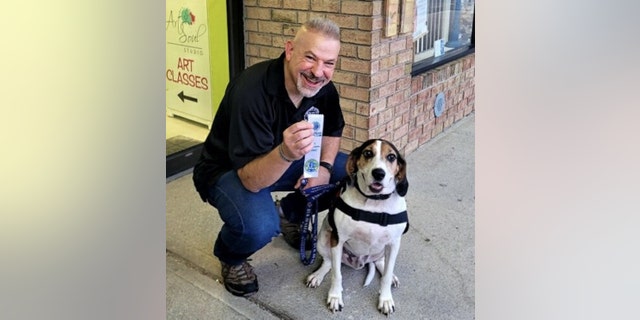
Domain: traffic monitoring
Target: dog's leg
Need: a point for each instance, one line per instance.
(380, 267)
(315, 279)
(370, 274)
(385, 301)
(334, 298)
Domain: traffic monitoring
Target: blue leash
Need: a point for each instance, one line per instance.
(311, 215)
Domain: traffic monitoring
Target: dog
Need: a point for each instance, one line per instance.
(366, 222)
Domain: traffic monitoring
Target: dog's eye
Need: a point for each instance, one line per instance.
(367, 154)
(391, 157)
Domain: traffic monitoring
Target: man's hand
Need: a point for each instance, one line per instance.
(297, 140)
(324, 176)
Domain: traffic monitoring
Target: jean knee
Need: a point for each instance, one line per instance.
(261, 232)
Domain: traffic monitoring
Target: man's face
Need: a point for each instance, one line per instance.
(312, 59)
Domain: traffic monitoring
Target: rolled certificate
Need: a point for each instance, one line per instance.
(312, 159)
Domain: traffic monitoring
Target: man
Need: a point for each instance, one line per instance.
(257, 145)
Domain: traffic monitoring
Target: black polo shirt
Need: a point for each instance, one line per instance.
(252, 115)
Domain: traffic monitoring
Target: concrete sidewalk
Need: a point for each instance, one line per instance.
(435, 265)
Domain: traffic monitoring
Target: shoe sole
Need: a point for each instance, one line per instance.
(238, 293)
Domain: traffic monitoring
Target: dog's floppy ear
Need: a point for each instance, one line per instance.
(402, 187)
(352, 165)
(402, 183)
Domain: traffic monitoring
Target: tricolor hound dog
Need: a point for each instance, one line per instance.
(366, 223)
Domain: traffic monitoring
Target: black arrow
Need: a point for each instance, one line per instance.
(184, 96)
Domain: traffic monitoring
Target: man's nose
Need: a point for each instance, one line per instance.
(318, 69)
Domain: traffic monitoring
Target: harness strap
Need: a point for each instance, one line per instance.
(380, 218)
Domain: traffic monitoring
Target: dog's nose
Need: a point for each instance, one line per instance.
(378, 174)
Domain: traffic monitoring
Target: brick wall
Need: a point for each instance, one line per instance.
(379, 98)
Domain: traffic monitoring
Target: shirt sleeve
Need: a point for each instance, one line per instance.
(250, 133)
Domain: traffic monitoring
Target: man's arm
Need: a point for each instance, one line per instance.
(265, 170)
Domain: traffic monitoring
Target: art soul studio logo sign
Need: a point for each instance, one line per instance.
(189, 36)
(187, 60)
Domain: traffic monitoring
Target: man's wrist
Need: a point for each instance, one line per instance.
(327, 166)
(282, 155)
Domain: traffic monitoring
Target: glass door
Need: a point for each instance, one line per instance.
(197, 72)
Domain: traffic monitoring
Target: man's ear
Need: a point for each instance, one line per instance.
(288, 49)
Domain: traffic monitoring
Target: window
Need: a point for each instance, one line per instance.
(444, 31)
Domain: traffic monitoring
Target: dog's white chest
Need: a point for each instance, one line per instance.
(367, 238)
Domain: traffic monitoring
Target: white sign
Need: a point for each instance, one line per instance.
(438, 47)
(188, 75)
(421, 19)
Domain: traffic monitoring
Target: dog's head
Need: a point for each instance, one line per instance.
(378, 168)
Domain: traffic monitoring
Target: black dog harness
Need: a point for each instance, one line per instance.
(311, 216)
(381, 218)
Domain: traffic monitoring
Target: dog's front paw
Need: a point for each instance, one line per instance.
(395, 282)
(386, 305)
(334, 302)
(314, 280)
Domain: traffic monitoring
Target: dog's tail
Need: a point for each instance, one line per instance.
(370, 274)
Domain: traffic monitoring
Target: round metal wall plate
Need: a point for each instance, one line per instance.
(438, 107)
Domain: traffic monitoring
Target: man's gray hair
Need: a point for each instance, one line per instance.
(324, 26)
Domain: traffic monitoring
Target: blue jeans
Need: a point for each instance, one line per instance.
(251, 219)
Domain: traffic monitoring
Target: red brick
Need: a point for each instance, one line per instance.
(365, 23)
(405, 56)
(270, 52)
(361, 121)
(348, 131)
(377, 106)
(344, 21)
(270, 27)
(270, 3)
(325, 5)
(397, 45)
(258, 13)
(296, 4)
(348, 105)
(284, 16)
(376, 8)
(387, 62)
(251, 25)
(360, 94)
(355, 65)
(259, 38)
(386, 90)
(362, 134)
(355, 36)
(363, 80)
(343, 77)
(349, 50)
(364, 53)
(373, 121)
(400, 132)
(379, 78)
(396, 72)
(363, 8)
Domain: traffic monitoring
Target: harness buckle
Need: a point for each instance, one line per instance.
(384, 219)
(357, 215)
